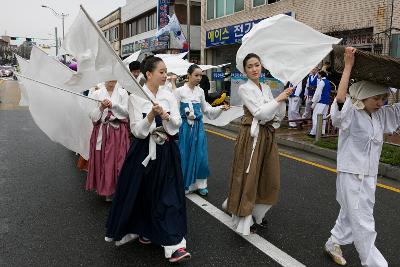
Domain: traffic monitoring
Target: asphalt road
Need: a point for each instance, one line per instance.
(48, 219)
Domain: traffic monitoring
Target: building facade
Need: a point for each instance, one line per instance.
(363, 24)
(142, 18)
(112, 29)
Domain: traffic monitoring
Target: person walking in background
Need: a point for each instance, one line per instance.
(320, 102)
(294, 105)
(311, 86)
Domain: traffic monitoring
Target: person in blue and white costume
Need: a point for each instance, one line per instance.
(311, 86)
(294, 105)
(321, 101)
(362, 120)
(149, 201)
(192, 137)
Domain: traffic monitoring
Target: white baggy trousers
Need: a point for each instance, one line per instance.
(355, 223)
(294, 110)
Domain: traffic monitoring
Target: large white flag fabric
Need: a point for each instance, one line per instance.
(179, 66)
(62, 116)
(288, 48)
(132, 58)
(23, 67)
(226, 116)
(97, 61)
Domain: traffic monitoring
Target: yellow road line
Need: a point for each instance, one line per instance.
(394, 189)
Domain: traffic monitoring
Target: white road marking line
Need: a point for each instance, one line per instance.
(266, 247)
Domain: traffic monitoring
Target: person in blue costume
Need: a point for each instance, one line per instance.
(149, 201)
(192, 137)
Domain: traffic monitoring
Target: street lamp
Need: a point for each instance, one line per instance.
(62, 16)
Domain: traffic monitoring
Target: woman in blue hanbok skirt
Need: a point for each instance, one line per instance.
(192, 137)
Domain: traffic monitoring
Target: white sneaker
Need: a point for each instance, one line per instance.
(225, 205)
(335, 252)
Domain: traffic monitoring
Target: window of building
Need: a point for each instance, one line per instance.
(258, 3)
(141, 24)
(196, 15)
(263, 2)
(210, 9)
(239, 5)
(220, 8)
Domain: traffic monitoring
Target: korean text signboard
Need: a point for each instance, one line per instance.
(232, 34)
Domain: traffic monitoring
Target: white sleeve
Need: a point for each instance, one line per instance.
(140, 127)
(120, 110)
(264, 112)
(172, 126)
(211, 112)
(342, 118)
(390, 117)
(318, 92)
(95, 114)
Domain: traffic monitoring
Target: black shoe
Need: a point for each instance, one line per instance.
(311, 135)
(264, 224)
(180, 255)
(253, 228)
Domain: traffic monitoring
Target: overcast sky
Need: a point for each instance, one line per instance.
(26, 18)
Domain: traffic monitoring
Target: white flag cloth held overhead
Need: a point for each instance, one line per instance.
(97, 61)
(288, 48)
(62, 116)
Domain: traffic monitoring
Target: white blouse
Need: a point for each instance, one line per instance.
(141, 128)
(361, 136)
(190, 96)
(119, 100)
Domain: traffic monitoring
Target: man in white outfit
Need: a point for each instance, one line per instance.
(294, 106)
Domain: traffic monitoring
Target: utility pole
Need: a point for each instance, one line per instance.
(188, 27)
(55, 32)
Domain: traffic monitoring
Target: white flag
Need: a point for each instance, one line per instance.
(97, 62)
(288, 48)
(226, 116)
(175, 27)
(60, 115)
(132, 58)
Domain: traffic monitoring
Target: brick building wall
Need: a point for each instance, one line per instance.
(322, 15)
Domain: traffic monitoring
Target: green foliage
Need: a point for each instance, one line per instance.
(390, 153)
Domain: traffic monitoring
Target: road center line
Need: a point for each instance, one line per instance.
(262, 244)
(387, 187)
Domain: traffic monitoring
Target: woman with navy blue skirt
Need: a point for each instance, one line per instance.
(149, 202)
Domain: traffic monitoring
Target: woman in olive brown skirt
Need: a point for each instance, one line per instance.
(255, 179)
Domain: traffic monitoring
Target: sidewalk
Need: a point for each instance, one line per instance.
(297, 139)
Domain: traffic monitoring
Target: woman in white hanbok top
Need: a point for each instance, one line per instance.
(192, 136)
(362, 120)
(255, 178)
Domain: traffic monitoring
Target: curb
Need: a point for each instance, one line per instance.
(385, 170)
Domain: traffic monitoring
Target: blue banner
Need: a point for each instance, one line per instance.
(217, 75)
(162, 18)
(232, 34)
